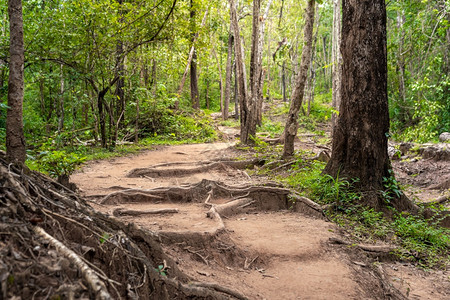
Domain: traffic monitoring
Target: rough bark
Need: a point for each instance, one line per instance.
(15, 140)
(360, 138)
(336, 57)
(291, 126)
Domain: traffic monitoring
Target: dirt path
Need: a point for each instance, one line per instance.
(268, 253)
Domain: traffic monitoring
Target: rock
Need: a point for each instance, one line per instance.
(444, 137)
(436, 153)
(393, 153)
(405, 147)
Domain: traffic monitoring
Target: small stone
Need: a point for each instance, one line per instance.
(444, 137)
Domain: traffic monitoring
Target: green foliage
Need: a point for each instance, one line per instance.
(57, 162)
(418, 240)
(391, 188)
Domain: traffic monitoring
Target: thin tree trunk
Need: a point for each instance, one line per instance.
(15, 140)
(259, 71)
(236, 92)
(219, 68)
(61, 101)
(283, 81)
(336, 68)
(248, 124)
(228, 76)
(291, 127)
(312, 77)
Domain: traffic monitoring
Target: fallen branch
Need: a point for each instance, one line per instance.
(89, 275)
(128, 212)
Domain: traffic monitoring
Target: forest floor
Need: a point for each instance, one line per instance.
(264, 250)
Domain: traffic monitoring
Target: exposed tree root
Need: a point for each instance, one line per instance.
(120, 259)
(156, 171)
(129, 196)
(220, 288)
(128, 212)
(382, 249)
(390, 292)
(234, 207)
(96, 285)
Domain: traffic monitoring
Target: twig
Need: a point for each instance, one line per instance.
(247, 266)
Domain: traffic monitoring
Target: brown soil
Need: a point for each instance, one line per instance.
(262, 250)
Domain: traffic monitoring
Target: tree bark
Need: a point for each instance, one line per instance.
(291, 127)
(255, 61)
(228, 76)
(336, 68)
(193, 72)
(360, 138)
(260, 72)
(248, 124)
(15, 140)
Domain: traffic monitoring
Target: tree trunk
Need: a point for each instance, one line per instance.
(255, 61)
(228, 76)
(248, 124)
(61, 101)
(291, 127)
(360, 138)
(283, 81)
(336, 67)
(259, 71)
(236, 92)
(312, 75)
(193, 72)
(15, 140)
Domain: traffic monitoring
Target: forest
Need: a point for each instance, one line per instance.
(111, 71)
(124, 123)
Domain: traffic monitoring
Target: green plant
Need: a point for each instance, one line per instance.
(59, 163)
(391, 188)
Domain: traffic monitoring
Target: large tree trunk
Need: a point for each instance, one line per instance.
(360, 138)
(228, 76)
(248, 124)
(336, 58)
(291, 127)
(15, 140)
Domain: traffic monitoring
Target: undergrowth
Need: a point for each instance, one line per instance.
(418, 240)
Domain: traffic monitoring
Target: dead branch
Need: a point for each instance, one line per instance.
(89, 275)
(128, 212)
(248, 264)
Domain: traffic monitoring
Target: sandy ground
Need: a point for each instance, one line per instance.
(287, 254)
